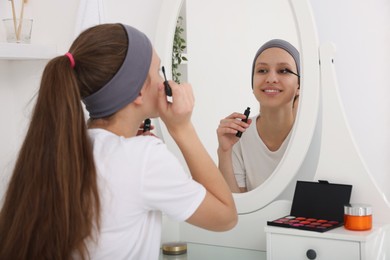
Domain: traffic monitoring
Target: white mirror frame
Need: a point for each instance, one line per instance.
(306, 121)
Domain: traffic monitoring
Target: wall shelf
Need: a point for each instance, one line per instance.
(20, 51)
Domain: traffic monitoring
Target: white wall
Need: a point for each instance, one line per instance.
(138, 13)
(360, 31)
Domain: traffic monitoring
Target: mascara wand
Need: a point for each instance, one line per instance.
(168, 90)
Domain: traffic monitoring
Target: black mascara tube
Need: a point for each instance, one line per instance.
(147, 123)
(246, 113)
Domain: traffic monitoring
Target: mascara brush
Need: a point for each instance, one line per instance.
(168, 90)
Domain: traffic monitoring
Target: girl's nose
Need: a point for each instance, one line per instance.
(272, 77)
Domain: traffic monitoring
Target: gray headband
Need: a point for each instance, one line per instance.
(277, 43)
(126, 84)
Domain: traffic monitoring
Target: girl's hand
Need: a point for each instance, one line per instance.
(141, 130)
(177, 113)
(228, 128)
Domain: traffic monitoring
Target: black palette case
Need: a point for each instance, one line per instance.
(317, 206)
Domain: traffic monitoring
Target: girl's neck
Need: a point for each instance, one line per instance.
(119, 126)
(273, 128)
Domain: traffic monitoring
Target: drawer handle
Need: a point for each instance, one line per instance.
(311, 254)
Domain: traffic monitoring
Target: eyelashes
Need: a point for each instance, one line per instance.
(281, 71)
(291, 72)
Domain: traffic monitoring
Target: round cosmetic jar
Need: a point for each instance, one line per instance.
(175, 248)
(358, 217)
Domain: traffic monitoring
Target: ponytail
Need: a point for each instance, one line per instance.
(52, 204)
(52, 207)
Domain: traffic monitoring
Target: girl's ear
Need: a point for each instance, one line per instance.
(297, 93)
(139, 100)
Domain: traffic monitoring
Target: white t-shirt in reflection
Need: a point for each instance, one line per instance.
(253, 162)
(138, 180)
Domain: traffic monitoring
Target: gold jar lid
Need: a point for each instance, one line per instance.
(174, 248)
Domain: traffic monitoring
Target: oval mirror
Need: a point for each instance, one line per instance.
(222, 38)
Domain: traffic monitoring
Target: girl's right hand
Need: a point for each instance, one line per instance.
(228, 128)
(177, 113)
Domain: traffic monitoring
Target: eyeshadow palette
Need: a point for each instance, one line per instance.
(317, 206)
(313, 224)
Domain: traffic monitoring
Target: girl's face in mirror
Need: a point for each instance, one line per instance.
(274, 86)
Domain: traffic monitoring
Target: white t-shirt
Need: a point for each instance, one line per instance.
(253, 162)
(138, 179)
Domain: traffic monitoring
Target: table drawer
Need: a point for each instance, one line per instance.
(282, 247)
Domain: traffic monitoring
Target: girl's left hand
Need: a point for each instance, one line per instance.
(141, 130)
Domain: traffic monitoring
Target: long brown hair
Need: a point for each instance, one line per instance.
(52, 207)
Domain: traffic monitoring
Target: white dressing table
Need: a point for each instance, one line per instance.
(338, 243)
(209, 252)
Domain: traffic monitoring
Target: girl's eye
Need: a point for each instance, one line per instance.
(284, 71)
(262, 71)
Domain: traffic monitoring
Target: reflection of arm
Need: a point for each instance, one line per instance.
(239, 167)
(226, 132)
(226, 167)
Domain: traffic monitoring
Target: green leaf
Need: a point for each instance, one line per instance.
(179, 45)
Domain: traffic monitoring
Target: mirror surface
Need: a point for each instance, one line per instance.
(222, 40)
(221, 46)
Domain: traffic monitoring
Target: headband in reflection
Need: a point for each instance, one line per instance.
(282, 44)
